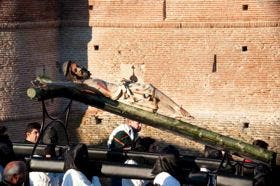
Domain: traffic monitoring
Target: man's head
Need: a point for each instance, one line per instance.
(136, 125)
(73, 72)
(14, 172)
(32, 132)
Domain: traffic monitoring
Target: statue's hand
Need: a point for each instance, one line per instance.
(35, 83)
(124, 81)
(41, 81)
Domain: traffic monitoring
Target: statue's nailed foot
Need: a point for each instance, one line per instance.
(185, 113)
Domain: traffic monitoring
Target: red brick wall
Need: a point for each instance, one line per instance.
(180, 62)
(222, 11)
(175, 43)
(127, 10)
(29, 46)
(29, 10)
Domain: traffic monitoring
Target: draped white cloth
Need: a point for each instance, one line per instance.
(73, 177)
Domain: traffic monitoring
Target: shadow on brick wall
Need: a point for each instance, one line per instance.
(74, 36)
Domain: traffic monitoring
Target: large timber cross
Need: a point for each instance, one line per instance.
(74, 91)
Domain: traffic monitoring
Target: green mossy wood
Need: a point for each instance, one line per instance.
(77, 92)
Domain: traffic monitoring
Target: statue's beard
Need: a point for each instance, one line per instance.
(81, 74)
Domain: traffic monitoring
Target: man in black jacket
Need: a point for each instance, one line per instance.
(6, 147)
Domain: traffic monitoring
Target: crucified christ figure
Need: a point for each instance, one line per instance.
(144, 96)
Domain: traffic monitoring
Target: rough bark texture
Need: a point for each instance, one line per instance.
(78, 93)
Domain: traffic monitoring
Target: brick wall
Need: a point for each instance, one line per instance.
(29, 10)
(222, 11)
(219, 59)
(180, 62)
(220, 65)
(127, 10)
(29, 35)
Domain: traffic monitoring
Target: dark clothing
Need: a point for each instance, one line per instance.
(262, 175)
(6, 150)
(144, 144)
(212, 153)
(50, 136)
(77, 158)
(121, 141)
(5, 183)
(122, 138)
(28, 142)
(169, 163)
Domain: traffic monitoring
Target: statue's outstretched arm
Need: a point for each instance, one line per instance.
(97, 86)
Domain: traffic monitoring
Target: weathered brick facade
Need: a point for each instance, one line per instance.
(219, 59)
(29, 47)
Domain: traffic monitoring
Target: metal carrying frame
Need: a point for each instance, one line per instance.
(53, 119)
